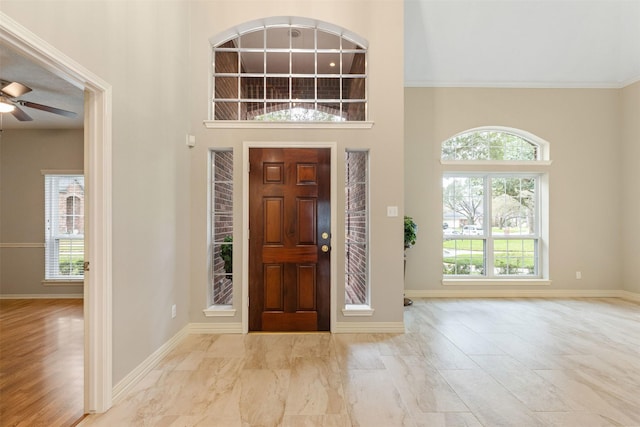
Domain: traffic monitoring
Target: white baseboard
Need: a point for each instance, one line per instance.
(215, 328)
(41, 296)
(368, 327)
(134, 377)
(631, 296)
(521, 293)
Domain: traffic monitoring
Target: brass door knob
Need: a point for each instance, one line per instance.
(325, 235)
(325, 248)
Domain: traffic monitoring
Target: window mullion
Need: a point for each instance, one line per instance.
(487, 215)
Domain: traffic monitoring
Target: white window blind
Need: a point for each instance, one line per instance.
(64, 227)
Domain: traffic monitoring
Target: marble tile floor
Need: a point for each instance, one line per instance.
(461, 362)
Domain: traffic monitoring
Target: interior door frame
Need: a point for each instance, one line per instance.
(98, 194)
(333, 146)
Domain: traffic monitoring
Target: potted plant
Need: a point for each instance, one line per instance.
(226, 253)
(410, 235)
(410, 232)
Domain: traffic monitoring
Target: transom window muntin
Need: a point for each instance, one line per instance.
(289, 72)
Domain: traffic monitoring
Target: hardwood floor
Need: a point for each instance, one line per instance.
(462, 362)
(41, 362)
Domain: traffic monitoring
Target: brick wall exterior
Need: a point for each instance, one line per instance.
(71, 209)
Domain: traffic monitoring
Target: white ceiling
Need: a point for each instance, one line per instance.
(47, 89)
(522, 43)
(488, 43)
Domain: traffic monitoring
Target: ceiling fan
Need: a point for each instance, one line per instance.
(9, 102)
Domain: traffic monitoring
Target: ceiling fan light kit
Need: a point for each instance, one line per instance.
(5, 105)
(9, 102)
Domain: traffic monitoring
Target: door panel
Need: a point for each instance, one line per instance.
(289, 210)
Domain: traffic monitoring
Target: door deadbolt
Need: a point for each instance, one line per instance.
(325, 248)
(325, 235)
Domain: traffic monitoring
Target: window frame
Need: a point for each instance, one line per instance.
(360, 308)
(215, 309)
(360, 46)
(52, 217)
(487, 235)
(518, 168)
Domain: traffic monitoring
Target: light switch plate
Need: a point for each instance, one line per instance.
(392, 211)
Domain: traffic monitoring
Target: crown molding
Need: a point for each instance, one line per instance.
(517, 85)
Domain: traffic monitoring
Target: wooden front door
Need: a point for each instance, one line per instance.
(289, 239)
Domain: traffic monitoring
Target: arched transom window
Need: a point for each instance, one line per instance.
(490, 144)
(301, 70)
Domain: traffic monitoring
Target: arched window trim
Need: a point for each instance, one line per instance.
(293, 21)
(543, 148)
(276, 21)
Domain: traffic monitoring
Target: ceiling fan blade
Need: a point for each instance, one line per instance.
(47, 108)
(21, 115)
(14, 89)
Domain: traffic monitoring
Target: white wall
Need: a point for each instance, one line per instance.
(384, 141)
(630, 185)
(582, 127)
(141, 49)
(23, 155)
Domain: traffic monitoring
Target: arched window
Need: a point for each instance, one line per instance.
(289, 69)
(494, 218)
(490, 144)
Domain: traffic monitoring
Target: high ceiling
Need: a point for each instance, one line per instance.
(522, 43)
(488, 43)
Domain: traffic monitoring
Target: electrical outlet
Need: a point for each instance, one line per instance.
(578, 275)
(173, 311)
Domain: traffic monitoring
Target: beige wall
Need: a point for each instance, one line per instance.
(384, 141)
(630, 189)
(142, 49)
(582, 127)
(156, 56)
(23, 155)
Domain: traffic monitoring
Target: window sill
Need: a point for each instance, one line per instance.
(249, 124)
(357, 310)
(219, 311)
(65, 282)
(499, 282)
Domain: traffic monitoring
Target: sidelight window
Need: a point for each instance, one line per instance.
(356, 228)
(221, 226)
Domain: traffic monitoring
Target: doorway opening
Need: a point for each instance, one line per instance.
(97, 167)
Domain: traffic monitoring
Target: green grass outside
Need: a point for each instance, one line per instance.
(71, 256)
(509, 254)
(498, 245)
